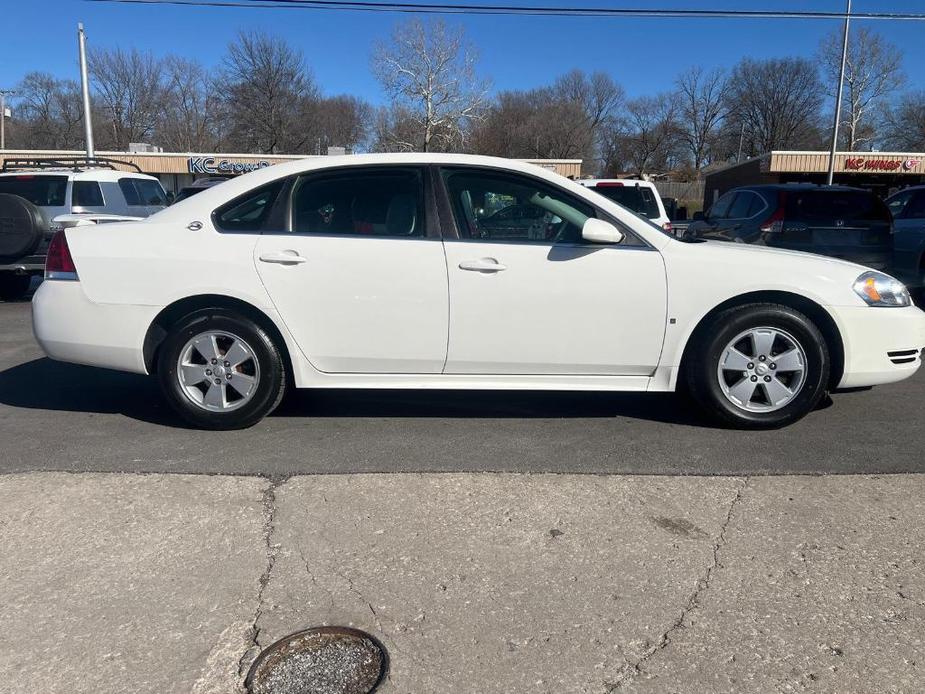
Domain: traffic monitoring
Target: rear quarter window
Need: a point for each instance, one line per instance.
(87, 194)
(142, 191)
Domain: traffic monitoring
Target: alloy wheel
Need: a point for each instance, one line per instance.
(762, 369)
(218, 371)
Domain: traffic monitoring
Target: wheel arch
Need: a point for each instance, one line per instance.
(811, 309)
(181, 308)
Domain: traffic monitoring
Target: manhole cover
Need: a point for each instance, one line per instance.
(323, 660)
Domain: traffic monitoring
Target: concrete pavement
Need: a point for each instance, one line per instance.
(474, 582)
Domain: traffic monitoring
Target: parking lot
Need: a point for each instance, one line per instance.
(64, 417)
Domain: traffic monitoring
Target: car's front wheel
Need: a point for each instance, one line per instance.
(220, 370)
(758, 366)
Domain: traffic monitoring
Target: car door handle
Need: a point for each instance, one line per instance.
(283, 258)
(482, 265)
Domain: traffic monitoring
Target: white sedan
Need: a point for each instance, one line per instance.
(394, 271)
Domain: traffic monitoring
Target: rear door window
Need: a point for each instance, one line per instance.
(916, 207)
(87, 194)
(898, 202)
(741, 205)
(44, 191)
(388, 202)
(721, 206)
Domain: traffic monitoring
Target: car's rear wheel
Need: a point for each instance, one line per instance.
(219, 370)
(14, 287)
(758, 366)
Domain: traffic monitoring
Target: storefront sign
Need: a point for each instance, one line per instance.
(863, 164)
(211, 165)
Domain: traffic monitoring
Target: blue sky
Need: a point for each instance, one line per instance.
(643, 54)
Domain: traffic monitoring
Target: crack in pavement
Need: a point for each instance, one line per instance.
(269, 522)
(631, 671)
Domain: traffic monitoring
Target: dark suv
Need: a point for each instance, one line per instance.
(849, 223)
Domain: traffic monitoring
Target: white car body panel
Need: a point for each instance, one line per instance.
(556, 310)
(359, 304)
(386, 313)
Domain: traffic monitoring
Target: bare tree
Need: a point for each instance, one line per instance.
(130, 92)
(188, 122)
(428, 71)
(337, 121)
(265, 83)
(49, 112)
(565, 120)
(904, 123)
(776, 104)
(700, 111)
(872, 72)
(651, 133)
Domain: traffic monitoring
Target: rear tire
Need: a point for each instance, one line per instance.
(759, 366)
(220, 370)
(14, 287)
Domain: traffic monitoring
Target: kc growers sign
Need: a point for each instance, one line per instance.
(211, 165)
(873, 164)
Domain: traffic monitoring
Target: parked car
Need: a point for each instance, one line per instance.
(637, 196)
(837, 221)
(908, 210)
(34, 192)
(197, 186)
(378, 271)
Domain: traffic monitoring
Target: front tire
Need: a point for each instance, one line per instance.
(220, 370)
(759, 366)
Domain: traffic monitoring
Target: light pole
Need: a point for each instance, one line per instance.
(3, 95)
(85, 89)
(838, 98)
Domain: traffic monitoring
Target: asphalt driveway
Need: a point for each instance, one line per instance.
(56, 416)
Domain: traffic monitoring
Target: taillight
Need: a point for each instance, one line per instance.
(775, 223)
(59, 265)
(667, 227)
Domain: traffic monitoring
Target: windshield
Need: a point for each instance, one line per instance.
(638, 199)
(44, 191)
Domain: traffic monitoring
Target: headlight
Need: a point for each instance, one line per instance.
(878, 289)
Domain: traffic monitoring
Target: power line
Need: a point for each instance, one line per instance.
(514, 10)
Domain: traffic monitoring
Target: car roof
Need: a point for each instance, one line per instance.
(624, 181)
(908, 188)
(107, 175)
(801, 187)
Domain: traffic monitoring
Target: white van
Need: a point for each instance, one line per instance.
(637, 196)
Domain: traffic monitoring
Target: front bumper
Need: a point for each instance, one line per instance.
(69, 327)
(882, 345)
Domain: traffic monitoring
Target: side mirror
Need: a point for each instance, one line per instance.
(699, 216)
(599, 231)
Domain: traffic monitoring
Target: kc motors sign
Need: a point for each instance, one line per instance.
(886, 165)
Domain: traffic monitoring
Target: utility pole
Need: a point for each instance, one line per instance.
(85, 88)
(838, 98)
(3, 95)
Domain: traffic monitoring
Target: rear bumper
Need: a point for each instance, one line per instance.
(69, 327)
(882, 345)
